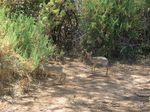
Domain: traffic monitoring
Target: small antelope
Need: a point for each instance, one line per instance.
(103, 61)
(53, 71)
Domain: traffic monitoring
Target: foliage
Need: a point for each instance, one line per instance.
(146, 44)
(25, 36)
(57, 16)
(112, 27)
(27, 7)
(60, 20)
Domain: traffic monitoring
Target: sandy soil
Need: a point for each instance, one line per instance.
(126, 89)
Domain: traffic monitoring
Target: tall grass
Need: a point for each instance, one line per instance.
(25, 36)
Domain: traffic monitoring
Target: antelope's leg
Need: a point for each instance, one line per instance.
(106, 70)
(57, 79)
(93, 68)
(63, 78)
(60, 79)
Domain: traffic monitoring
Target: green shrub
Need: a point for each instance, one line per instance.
(112, 27)
(60, 20)
(57, 16)
(146, 44)
(25, 36)
(27, 7)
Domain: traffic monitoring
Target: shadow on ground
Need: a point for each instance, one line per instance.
(86, 92)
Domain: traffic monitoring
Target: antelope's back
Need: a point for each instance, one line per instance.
(100, 60)
(53, 69)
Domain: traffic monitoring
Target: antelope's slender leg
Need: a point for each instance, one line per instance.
(94, 65)
(92, 68)
(63, 78)
(106, 70)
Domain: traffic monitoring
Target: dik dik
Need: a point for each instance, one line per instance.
(100, 60)
(53, 71)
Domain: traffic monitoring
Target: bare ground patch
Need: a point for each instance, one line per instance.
(125, 90)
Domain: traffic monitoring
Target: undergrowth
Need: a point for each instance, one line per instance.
(115, 28)
(22, 46)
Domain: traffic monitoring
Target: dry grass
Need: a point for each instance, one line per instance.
(13, 69)
(16, 73)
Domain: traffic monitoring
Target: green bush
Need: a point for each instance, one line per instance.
(60, 20)
(25, 36)
(112, 27)
(146, 45)
(27, 7)
(57, 16)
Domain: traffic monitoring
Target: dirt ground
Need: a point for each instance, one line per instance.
(126, 89)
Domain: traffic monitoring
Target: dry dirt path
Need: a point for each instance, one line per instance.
(83, 92)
